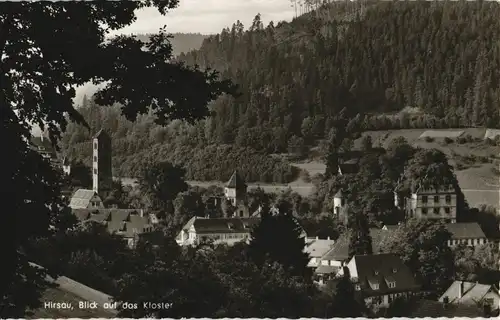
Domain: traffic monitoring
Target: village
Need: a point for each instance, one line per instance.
(379, 277)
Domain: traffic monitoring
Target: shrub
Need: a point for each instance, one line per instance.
(448, 140)
(429, 139)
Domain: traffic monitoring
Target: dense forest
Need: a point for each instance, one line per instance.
(392, 64)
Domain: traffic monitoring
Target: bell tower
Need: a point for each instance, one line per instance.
(102, 175)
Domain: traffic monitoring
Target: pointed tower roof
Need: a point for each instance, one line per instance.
(65, 161)
(236, 181)
(100, 133)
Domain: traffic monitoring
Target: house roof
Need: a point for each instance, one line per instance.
(316, 248)
(236, 181)
(221, 225)
(339, 194)
(126, 222)
(435, 309)
(350, 166)
(340, 249)
(465, 230)
(381, 269)
(472, 292)
(81, 198)
(101, 133)
(326, 269)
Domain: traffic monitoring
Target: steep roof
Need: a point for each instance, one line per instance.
(382, 269)
(326, 269)
(340, 249)
(339, 194)
(221, 225)
(472, 292)
(236, 181)
(318, 247)
(465, 230)
(81, 198)
(126, 222)
(101, 133)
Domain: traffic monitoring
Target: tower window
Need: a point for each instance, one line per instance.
(95, 171)
(95, 158)
(447, 210)
(95, 145)
(448, 199)
(436, 198)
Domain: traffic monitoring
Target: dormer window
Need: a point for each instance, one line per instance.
(357, 287)
(375, 286)
(375, 272)
(391, 284)
(229, 226)
(394, 270)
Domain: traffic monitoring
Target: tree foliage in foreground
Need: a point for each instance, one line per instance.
(39, 68)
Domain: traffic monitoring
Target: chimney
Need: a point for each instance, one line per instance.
(328, 238)
(446, 300)
(141, 213)
(317, 238)
(460, 289)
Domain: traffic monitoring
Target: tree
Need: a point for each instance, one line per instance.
(277, 238)
(39, 68)
(423, 247)
(346, 302)
(161, 182)
(360, 241)
(188, 204)
(80, 176)
(367, 143)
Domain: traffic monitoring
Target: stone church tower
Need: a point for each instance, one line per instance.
(102, 175)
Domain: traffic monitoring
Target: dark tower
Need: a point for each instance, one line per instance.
(101, 163)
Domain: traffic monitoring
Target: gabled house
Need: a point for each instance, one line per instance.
(86, 199)
(424, 308)
(468, 233)
(220, 230)
(129, 223)
(472, 294)
(380, 278)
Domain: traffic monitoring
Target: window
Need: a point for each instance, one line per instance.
(424, 210)
(447, 210)
(394, 270)
(448, 199)
(95, 171)
(436, 198)
(95, 158)
(357, 287)
(376, 272)
(95, 145)
(241, 213)
(436, 210)
(391, 284)
(424, 199)
(375, 286)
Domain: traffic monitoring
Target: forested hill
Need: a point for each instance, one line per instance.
(181, 42)
(442, 57)
(370, 58)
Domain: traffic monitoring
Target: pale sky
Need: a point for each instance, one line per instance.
(210, 16)
(202, 16)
